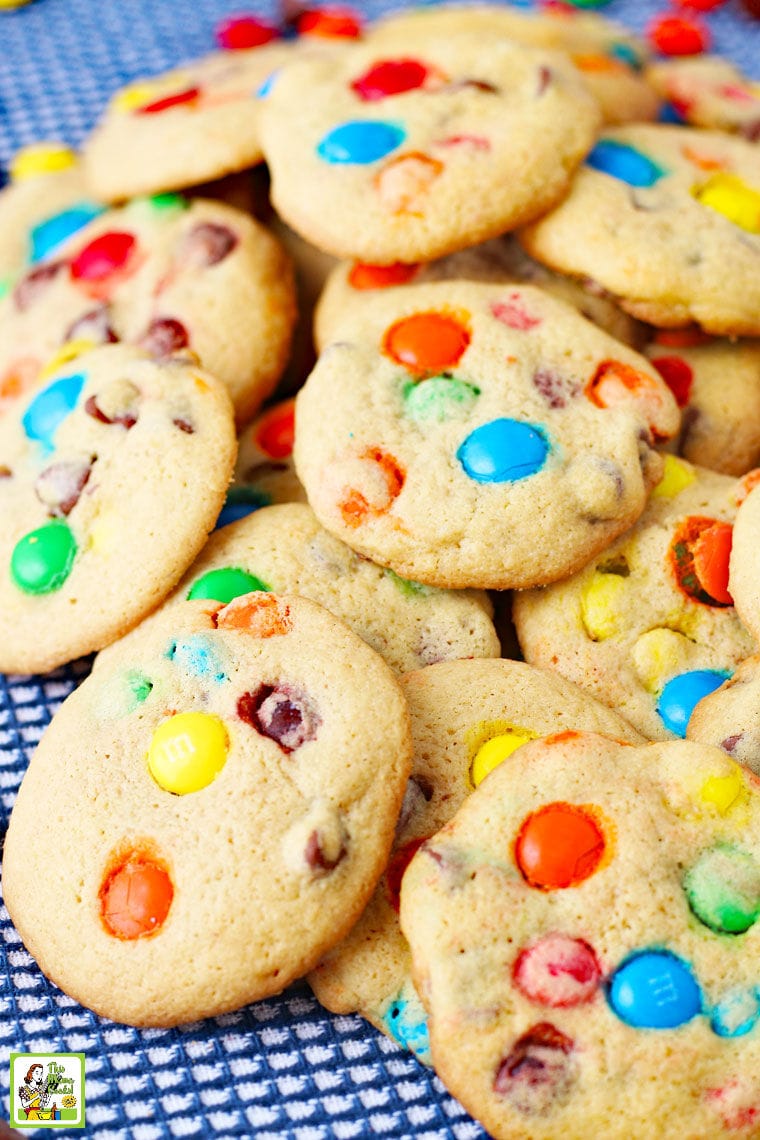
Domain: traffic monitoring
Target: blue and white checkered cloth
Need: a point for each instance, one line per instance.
(281, 1068)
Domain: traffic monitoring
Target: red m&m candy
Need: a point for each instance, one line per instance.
(178, 99)
(104, 255)
(678, 376)
(244, 31)
(674, 35)
(275, 430)
(390, 77)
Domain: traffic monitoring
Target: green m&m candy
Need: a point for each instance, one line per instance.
(41, 561)
(224, 584)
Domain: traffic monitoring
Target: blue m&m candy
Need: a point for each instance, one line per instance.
(406, 1023)
(52, 232)
(654, 989)
(624, 163)
(50, 407)
(736, 1013)
(241, 502)
(360, 142)
(626, 54)
(265, 88)
(682, 693)
(504, 451)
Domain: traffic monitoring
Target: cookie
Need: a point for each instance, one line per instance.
(312, 267)
(717, 385)
(399, 158)
(743, 565)
(111, 476)
(467, 717)
(46, 182)
(235, 800)
(188, 125)
(584, 935)
(667, 220)
(729, 718)
(283, 548)
(264, 470)
(506, 440)
(649, 626)
(606, 54)
(165, 273)
(709, 91)
(500, 259)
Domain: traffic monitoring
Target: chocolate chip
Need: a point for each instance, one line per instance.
(544, 79)
(164, 336)
(317, 860)
(751, 130)
(282, 713)
(35, 283)
(60, 485)
(207, 244)
(261, 470)
(557, 390)
(476, 84)
(93, 326)
(538, 1073)
(123, 419)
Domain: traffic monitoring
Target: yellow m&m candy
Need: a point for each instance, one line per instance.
(734, 199)
(495, 750)
(39, 158)
(187, 752)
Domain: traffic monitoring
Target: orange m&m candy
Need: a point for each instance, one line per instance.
(427, 343)
(135, 897)
(363, 276)
(711, 552)
(558, 846)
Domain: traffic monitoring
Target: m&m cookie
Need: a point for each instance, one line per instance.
(667, 220)
(185, 126)
(467, 718)
(46, 188)
(716, 383)
(729, 717)
(499, 260)
(585, 939)
(392, 156)
(479, 435)
(649, 626)
(283, 548)
(164, 273)
(264, 471)
(743, 576)
(607, 55)
(112, 473)
(709, 91)
(234, 790)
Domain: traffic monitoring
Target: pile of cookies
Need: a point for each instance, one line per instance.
(408, 488)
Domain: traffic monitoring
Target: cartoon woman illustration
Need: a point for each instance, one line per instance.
(35, 1095)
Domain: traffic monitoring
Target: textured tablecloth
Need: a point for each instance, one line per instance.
(283, 1067)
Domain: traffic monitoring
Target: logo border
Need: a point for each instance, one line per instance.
(46, 1123)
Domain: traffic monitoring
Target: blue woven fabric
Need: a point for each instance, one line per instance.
(283, 1067)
